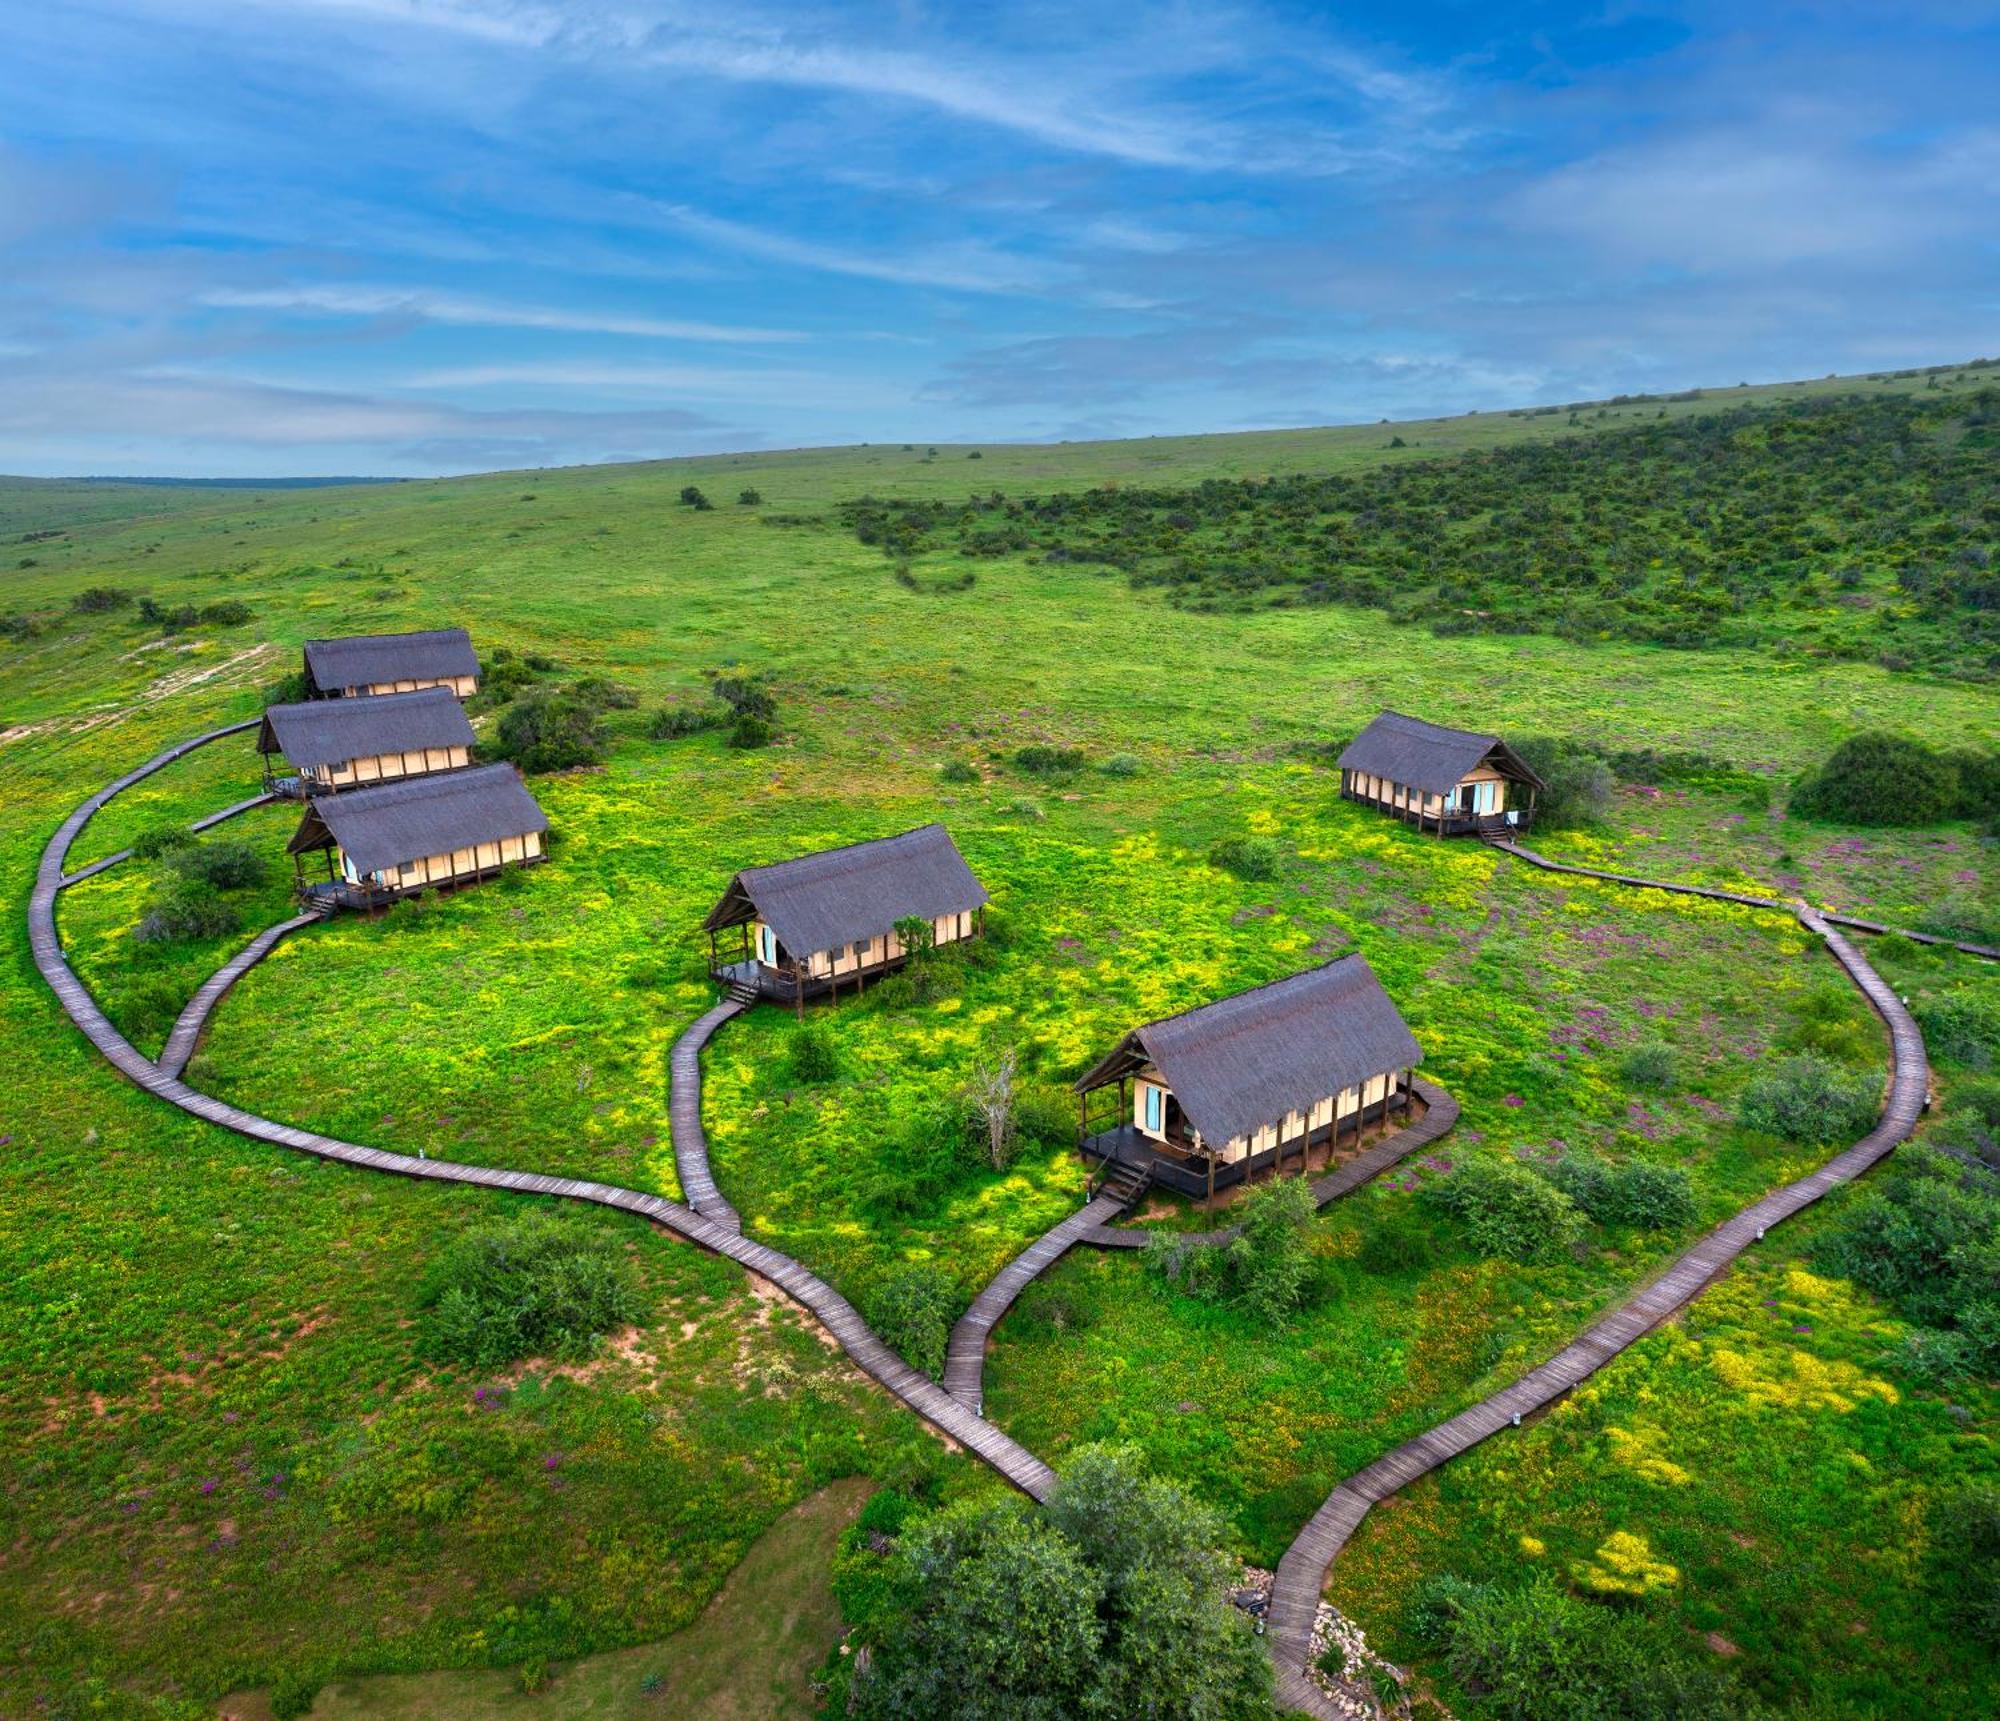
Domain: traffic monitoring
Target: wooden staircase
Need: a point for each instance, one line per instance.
(1125, 1184)
(742, 992)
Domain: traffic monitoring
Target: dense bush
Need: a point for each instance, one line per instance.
(959, 771)
(1508, 1210)
(186, 910)
(504, 672)
(1879, 779)
(1712, 528)
(691, 497)
(228, 612)
(233, 865)
(673, 722)
(1963, 1025)
(534, 1285)
(1577, 782)
(1965, 1560)
(1041, 760)
(551, 730)
(1537, 1653)
(749, 498)
(1266, 1268)
(1806, 1098)
(813, 1055)
(96, 600)
(158, 840)
(1107, 1603)
(1653, 1197)
(1122, 765)
(1253, 859)
(1825, 1022)
(750, 732)
(912, 1311)
(1927, 1238)
(1651, 1065)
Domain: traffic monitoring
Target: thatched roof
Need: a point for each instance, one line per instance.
(843, 895)
(333, 731)
(1428, 756)
(1243, 1062)
(362, 660)
(421, 816)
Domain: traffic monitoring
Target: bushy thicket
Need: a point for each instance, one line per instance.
(191, 884)
(1577, 781)
(1926, 1236)
(1652, 1197)
(535, 1285)
(1851, 526)
(1252, 859)
(912, 1311)
(1107, 1603)
(1508, 1210)
(1810, 1098)
(1962, 1024)
(1965, 1560)
(1879, 779)
(1538, 1653)
(1266, 1268)
(743, 702)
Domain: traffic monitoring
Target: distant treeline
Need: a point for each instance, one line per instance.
(1847, 527)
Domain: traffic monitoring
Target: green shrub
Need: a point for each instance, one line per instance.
(1252, 859)
(1879, 779)
(1509, 1211)
(912, 1311)
(1653, 1197)
(1927, 1238)
(1539, 1654)
(534, 1285)
(1041, 760)
(233, 865)
(747, 694)
(229, 612)
(293, 1695)
(813, 1055)
(1963, 918)
(1965, 1560)
(959, 771)
(1045, 1115)
(1962, 1025)
(1577, 782)
(673, 722)
(1439, 1602)
(549, 730)
(1270, 1261)
(750, 732)
(1396, 1243)
(1652, 1065)
(97, 600)
(186, 910)
(1807, 1099)
(749, 498)
(1122, 765)
(1825, 1022)
(158, 840)
(691, 497)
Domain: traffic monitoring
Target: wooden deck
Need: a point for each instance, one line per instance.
(1301, 1574)
(929, 1400)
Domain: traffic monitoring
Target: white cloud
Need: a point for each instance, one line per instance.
(435, 307)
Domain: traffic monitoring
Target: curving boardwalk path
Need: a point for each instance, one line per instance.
(929, 1400)
(1301, 1574)
(684, 1110)
(965, 1356)
(186, 1032)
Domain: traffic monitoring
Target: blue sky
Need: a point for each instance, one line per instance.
(408, 236)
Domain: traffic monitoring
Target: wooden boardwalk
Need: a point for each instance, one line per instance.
(1301, 1574)
(186, 1032)
(965, 1357)
(929, 1400)
(698, 1185)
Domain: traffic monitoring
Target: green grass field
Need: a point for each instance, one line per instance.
(227, 1466)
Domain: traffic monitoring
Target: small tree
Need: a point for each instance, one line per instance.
(750, 498)
(1271, 1258)
(991, 1093)
(1509, 1211)
(691, 497)
(913, 1310)
(917, 936)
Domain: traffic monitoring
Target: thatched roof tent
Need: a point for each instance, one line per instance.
(419, 817)
(368, 660)
(1244, 1062)
(333, 731)
(844, 895)
(1428, 756)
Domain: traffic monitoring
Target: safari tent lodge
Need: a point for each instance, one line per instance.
(803, 926)
(396, 838)
(1213, 1096)
(335, 744)
(378, 663)
(1450, 781)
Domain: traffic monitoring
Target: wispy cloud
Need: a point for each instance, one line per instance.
(437, 307)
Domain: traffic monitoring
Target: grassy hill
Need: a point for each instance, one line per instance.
(228, 1465)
